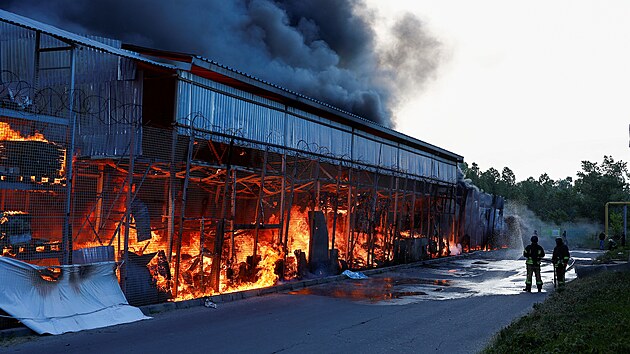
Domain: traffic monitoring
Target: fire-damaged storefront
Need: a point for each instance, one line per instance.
(198, 179)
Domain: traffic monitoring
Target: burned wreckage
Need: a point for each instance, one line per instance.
(198, 179)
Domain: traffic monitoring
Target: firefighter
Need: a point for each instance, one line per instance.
(534, 253)
(560, 260)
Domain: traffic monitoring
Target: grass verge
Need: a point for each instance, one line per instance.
(592, 315)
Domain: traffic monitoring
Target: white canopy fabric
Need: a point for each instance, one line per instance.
(65, 298)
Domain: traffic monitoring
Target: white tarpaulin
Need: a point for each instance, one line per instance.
(65, 298)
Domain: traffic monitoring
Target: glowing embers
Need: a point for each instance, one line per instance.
(16, 235)
(50, 274)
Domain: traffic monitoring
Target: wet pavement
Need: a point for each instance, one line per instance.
(343, 316)
(499, 272)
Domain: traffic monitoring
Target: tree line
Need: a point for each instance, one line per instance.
(563, 200)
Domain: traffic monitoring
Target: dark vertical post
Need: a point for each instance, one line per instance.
(494, 218)
(352, 218)
(172, 192)
(317, 186)
(36, 61)
(386, 242)
(170, 228)
(372, 222)
(67, 235)
(336, 207)
(625, 223)
(395, 216)
(232, 217)
(429, 197)
(123, 271)
(402, 209)
(182, 212)
(99, 201)
(282, 198)
(259, 205)
(349, 215)
(201, 247)
(218, 240)
(413, 210)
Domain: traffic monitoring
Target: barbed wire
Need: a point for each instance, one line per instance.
(22, 96)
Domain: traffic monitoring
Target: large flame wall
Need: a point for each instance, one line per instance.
(263, 202)
(230, 217)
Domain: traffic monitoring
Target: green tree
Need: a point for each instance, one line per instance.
(489, 180)
(565, 202)
(471, 172)
(597, 185)
(562, 200)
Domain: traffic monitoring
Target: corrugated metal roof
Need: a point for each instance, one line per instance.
(31, 24)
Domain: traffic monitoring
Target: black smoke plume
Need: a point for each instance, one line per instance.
(324, 49)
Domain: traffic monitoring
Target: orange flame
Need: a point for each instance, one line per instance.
(6, 133)
(194, 279)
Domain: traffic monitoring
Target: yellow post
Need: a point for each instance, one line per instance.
(606, 219)
(606, 214)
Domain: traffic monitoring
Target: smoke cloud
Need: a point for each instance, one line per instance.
(324, 49)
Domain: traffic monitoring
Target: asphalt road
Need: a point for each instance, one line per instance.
(454, 306)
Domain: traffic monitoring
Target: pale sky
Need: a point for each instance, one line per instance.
(537, 86)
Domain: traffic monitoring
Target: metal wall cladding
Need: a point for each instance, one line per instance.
(17, 49)
(443, 171)
(435, 169)
(212, 107)
(365, 150)
(448, 173)
(107, 96)
(415, 163)
(389, 156)
(218, 112)
(109, 108)
(315, 137)
(307, 131)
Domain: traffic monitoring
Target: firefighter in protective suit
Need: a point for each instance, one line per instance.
(534, 253)
(560, 260)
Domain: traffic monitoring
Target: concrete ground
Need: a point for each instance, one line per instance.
(452, 305)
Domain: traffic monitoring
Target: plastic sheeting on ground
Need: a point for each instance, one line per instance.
(354, 275)
(64, 299)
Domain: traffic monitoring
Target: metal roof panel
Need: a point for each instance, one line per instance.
(66, 36)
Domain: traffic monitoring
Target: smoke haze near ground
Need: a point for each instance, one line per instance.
(522, 222)
(324, 49)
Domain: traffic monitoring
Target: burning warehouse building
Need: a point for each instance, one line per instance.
(200, 179)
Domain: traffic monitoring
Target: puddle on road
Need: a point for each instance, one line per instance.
(374, 290)
(458, 279)
(452, 279)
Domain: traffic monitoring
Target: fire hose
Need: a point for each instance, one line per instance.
(570, 266)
